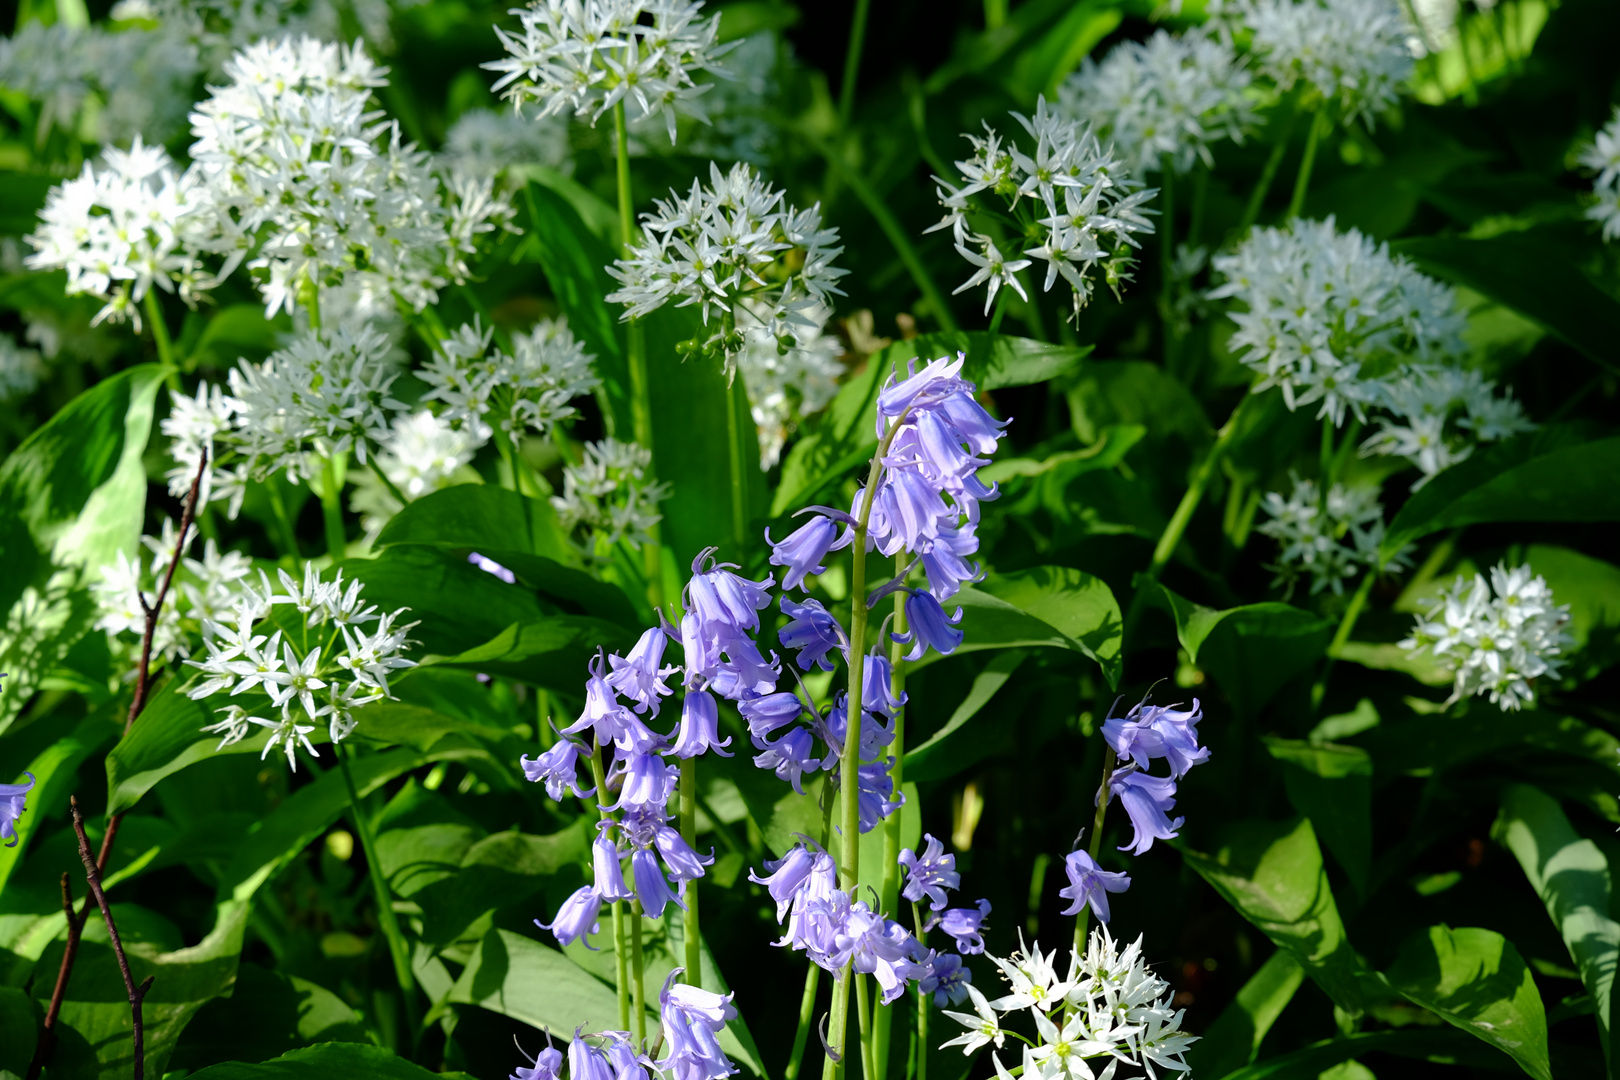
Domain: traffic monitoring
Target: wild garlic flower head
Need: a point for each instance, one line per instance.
(326, 393)
(202, 589)
(1353, 54)
(1497, 638)
(608, 496)
(1435, 416)
(531, 387)
(486, 141)
(787, 383)
(126, 226)
(421, 455)
(20, 369)
(1077, 205)
(586, 56)
(304, 686)
(1604, 156)
(1328, 540)
(1162, 101)
(1325, 312)
(740, 251)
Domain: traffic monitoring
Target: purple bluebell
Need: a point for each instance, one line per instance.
(930, 628)
(767, 715)
(948, 978)
(683, 863)
(786, 875)
(646, 780)
(628, 1062)
(1156, 731)
(875, 734)
(881, 948)
(929, 874)
(576, 918)
(607, 874)
(558, 767)
(547, 1065)
(876, 786)
(700, 726)
(813, 631)
(802, 552)
(586, 1062)
(790, 757)
(877, 686)
(965, 926)
(607, 717)
(720, 597)
(693, 1018)
(1089, 885)
(1148, 800)
(490, 566)
(652, 888)
(945, 561)
(921, 389)
(638, 676)
(13, 801)
(806, 895)
(744, 673)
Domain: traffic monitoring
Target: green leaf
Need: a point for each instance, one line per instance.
(268, 1013)
(496, 872)
(1234, 1039)
(1251, 650)
(480, 516)
(1477, 981)
(1548, 475)
(1332, 785)
(324, 1062)
(1079, 606)
(459, 606)
(22, 197)
(56, 770)
(945, 754)
(1591, 588)
(1272, 873)
(1439, 1046)
(1108, 393)
(551, 651)
(1572, 877)
(21, 1021)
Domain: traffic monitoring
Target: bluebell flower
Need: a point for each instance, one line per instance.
(1148, 800)
(557, 767)
(607, 718)
(628, 1062)
(812, 630)
(929, 626)
(719, 597)
(693, 1018)
(547, 1065)
(804, 549)
(683, 863)
(875, 734)
(576, 918)
(947, 979)
(1089, 885)
(873, 795)
(878, 947)
(766, 715)
(1155, 731)
(700, 726)
(607, 874)
(929, 874)
(945, 561)
(877, 686)
(490, 566)
(938, 380)
(586, 1062)
(790, 758)
(652, 888)
(638, 677)
(13, 801)
(787, 875)
(647, 780)
(743, 673)
(806, 891)
(965, 926)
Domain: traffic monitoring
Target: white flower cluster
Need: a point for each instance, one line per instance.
(1604, 156)
(608, 494)
(1437, 415)
(1081, 203)
(1352, 53)
(421, 454)
(1108, 1006)
(785, 385)
(131, 224)
(735, 247)
(203, 589)
(1496, 644)
(1163, 101)
(20, 369)
(586, 56)
(1322, 305)
(1329, 540)
(483, 142)
(530, 388)
(305, 684)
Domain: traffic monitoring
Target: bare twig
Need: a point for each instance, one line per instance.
(75, 922)
(137, 994)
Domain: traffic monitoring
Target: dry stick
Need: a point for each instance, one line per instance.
(137, 994)
(75, 923)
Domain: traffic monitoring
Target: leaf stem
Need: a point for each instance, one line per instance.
(621, 971)
(1257, 198)
(889, 896)
(736, 462)
(393, 489)
(801, 1035)
(863, 1014)
(1302, 181)
(1167, 259)
(852, 64)
(1082, 921)
(160, 338)
(1347, 625)
(639, 967)
(332, 509)
(690, 922)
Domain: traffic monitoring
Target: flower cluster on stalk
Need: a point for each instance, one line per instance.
(203, 590)
(1068, 203)
(1329, 539)
(1498, 637)
(691, 1018)
(529, 387)
(1435, 416)
(609, 493)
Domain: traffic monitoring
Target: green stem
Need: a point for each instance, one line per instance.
(737, 462)
(621, 971)
(852, 64)
(278, 508)
(1082, 921)
(640, 970)
(688, 818)
(1257, 199)
(1347, 624)
(160, 338)
(995, 13)
(807, 1009)
(1325, 460)
(889, 897)
(995, 316)
(386, 918)
(1167, 259)
(863, 1013)
(393, 489)
(332, 509)
(922, 1005)
(1302, 181)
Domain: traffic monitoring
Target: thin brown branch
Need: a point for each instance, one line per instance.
(143, 680)
(92, 874)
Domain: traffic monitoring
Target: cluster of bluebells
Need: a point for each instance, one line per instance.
(735, 247)
(334, 667)
(610, 494)
(1330, 538)
(1109, 1006)
(586, 57)
(1604, 156)
(530, 387)
(1496, 637)
(1164, 101)
(1078, 207)
(203, 590)
(1435, 416)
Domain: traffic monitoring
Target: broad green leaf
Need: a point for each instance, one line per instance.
(943, 754)
(323, 1062)
(1039, 70)
(498, 871)
(1381, 200)
(22, 197)
(1572, 877)
(1272, 873)
(1074, 603)
(1591, 588)
(1234, 1039)
(1332, 785)
(1436, 1045)
(1432, 744)
(1251, 650)
(20, 1020)
(551, 651)
(481, 516)
(1108, 393)
(268, 1013)
(1112, 444)
(1549, 475)
(56, 770)
(457, 605)
(1476, 979)
(418, 856)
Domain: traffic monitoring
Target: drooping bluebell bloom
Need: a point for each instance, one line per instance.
(790, 757)
(875, 734)
(719, 597)
(929, 626)
(945, 560)
(558, 767)
(576, 918)
(947, 979)
(965, 925)
(1148, 800)
(799, 890)
(607, 717)
(547, 1065)
(13, 801)
(804, 549)
(628, 1062)
(586, 1062)
(877, 686)
(786, 875)
(813, 631)
(929, 874)
(646, 780)
(1089, 885)
(700, 726)
(638, 676)
(693, 1018)
(881, 948)
(607, 873)
(766, 715)
(1156, 731)
(490, 566)
(873, 796)
(683, 863)
(652, 888)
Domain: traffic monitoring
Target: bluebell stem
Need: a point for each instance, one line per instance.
(13, 801)
(1089, 885)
